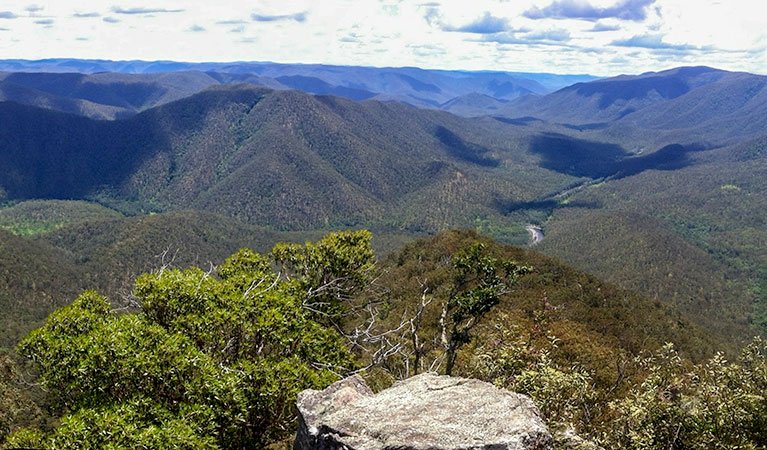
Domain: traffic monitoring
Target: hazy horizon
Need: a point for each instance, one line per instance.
(597, 37)
(233, 62)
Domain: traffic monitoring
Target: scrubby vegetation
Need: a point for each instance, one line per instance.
(658, 400)
(213, 358)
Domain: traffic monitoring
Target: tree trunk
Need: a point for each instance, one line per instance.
(450, 360)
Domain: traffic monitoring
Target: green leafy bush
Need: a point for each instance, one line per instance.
(212, 359)
(715, 405)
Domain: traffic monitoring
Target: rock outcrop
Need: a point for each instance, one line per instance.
(425, 412)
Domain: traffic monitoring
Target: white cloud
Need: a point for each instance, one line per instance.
(497, 35)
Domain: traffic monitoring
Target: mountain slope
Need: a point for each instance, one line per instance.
(104, 252)
(101, 95)
(474, 104)
(693, 236)
(277, 158)
(587, 314)
(725, 112)
(612, 98)
(28, 96)
(35, 278)
(34, 217)
(414, 86)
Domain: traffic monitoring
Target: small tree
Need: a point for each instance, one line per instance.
(479, 281)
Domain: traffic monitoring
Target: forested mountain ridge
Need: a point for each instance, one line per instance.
(320, 160)
(610, 99)
(692, 106)
(35, 278)
(118, 89)
(699, 106)
(110, 95)
(700, 228)
(92, 247)
(293, 161)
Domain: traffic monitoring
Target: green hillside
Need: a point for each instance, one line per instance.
(659, 220)
(609, 99)
(699, 107)
(692, 236)
(113, 252)
(277, 158)
(40, 216)
(47, 270)
(18, 93)
(583, 310)
(104, 96)
(35, 278)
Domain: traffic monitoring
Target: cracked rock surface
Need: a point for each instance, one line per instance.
(427, 411)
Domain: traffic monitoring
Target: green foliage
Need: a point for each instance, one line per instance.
(759, 290)
(714, 405)
(16, 409)
(657, 401)
(329, 273)
(35, 278)
(564, 395)
(41, 216)
(212, 360)
(479, 281)
(26, 438)
(41, 273)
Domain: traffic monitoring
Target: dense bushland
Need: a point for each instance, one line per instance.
(214, 358)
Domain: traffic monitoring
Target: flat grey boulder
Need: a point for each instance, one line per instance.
(425, 412)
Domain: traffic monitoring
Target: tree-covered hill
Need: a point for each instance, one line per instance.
(610, 99)
(114, 95)
(692, 106)
(588, 310)
(276, 158)
(725, 112)
(35, 278)
(103, 95)
(107, 254)
(34, 217)
(25, 95)
(694, 236)
(79, 246)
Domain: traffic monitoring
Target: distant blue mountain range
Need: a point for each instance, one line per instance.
(414, 86)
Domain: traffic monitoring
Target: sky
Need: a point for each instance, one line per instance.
(598, 37)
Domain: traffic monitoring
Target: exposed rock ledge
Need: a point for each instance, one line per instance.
(425, 412)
